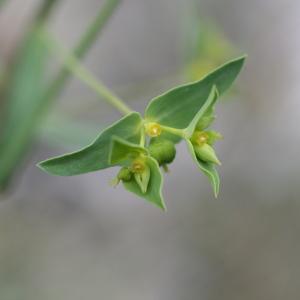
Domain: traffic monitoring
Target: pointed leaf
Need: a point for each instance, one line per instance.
(208, 169)
(177, 107)
(95, 156)
(154, 189)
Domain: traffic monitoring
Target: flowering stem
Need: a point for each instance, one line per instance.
(73, 65)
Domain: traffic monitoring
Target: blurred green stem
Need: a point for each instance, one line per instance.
(44, 11)
(2, 2)
(13, 145)
(80, 50)
(74, 66)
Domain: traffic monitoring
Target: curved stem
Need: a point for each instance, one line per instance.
(73, 65)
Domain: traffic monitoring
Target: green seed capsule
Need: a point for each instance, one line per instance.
(206, 153)
(162, 150)
(124, 174)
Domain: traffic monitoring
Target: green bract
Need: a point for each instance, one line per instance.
(206, 162)
(95, 156)
(140, 146)
(146, 181)
(177, 107)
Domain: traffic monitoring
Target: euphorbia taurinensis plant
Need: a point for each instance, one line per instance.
(141, 145)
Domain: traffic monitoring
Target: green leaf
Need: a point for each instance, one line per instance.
(207, 168)
(24, 91)
(95, 156)
(177, 107)
(207, 118)
(123, 152)
(154, 189)
(210, 101)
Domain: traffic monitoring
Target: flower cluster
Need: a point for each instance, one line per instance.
(141, 146)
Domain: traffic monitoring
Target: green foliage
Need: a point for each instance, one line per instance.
(184, 113)
(207, 168)
(24, 97)
(177, 107)
(95, 156)
(123, 152)
(154, 189)
(146, 178)
(206, 111)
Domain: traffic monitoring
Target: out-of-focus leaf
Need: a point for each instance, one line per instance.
(177, 107)
(207, 168)
(210, 49)
(24, 95)
(154, 188)
(2, 2)
(95, 156)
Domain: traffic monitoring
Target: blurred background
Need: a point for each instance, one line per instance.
(77, 238)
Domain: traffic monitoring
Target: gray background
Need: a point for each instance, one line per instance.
(77, 238)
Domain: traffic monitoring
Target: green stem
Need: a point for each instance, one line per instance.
(175, 131)
(17, 143)
(143, 137)
(73, 65)
(80, 50)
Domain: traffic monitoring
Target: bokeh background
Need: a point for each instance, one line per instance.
(77, 238)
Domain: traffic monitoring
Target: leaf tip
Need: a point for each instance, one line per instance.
(42, 165)
(162, 206)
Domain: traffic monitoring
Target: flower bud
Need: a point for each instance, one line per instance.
(162, 150)
(206, 153)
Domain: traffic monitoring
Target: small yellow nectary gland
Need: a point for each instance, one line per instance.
(200, 137)
(137, 166)
(153, 129)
